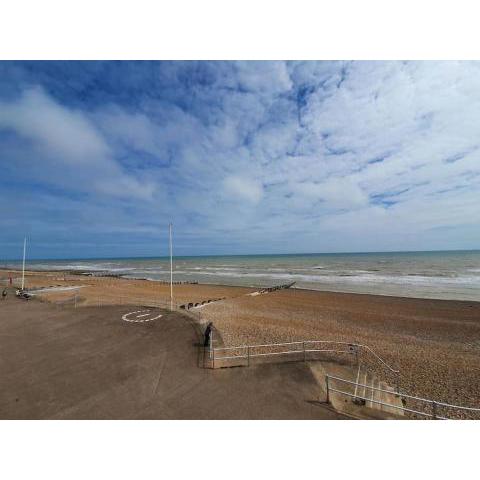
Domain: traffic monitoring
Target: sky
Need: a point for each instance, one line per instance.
(243, 157)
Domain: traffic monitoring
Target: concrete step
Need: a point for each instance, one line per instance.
(362, 405)
(371, 396)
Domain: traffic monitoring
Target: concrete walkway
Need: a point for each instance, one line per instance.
(88, 363)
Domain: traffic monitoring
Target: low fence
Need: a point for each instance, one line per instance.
(422, 407)
(77, 301)
(16, 282)
(302, 350)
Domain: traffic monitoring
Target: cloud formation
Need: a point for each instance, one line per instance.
(98, 157)
(63, 142)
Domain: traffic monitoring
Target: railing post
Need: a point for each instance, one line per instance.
(434, 410)
(248, 355)
(304, 353)
(328, 392)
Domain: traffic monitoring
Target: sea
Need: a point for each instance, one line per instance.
(440, 275)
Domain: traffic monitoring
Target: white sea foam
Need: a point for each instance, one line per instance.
(55, 289)
(438, 275)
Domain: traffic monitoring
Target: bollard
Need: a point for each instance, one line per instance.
(434, 410)
(248, 356)
(304, 353)
(328, 392)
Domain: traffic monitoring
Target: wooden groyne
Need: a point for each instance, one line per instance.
(277, 287)
(188, 306)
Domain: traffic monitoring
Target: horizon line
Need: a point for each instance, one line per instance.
(241, 255)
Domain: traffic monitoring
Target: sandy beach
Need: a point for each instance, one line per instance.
(111, 290)
(434, 343)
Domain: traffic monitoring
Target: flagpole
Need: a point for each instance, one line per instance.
(171, 268)
(23, 268)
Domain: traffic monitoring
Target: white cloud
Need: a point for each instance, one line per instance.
(241, 188)
(57, 130)
(72, 150)
(263, 77)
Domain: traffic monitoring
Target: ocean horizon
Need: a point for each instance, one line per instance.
(140, 257)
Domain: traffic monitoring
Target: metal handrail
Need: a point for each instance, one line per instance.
(363, 385)
(471, 409)
(405, 409)
(357, 345)
(433, 403)
(258, 345)
(379, 358)
(292, 343)
(287, 352)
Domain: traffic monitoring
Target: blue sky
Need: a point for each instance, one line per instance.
(244, 157)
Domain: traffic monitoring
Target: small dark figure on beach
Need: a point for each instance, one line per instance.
(4, 294)
(208, 334)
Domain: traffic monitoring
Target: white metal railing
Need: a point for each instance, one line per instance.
(385, 364)
(251, 351)
(304, 347)
(433, 405)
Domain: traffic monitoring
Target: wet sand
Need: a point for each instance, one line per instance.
(434, 343)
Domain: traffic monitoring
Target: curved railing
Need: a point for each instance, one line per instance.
(304, 347)
(433, 407)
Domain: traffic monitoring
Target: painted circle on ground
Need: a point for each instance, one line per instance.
(140, 316)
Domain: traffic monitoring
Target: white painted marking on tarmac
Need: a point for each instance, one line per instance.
(139, 316)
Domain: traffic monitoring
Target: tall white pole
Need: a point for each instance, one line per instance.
(171, 269)
(23, 268)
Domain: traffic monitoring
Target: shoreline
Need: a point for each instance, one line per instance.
(89, 274)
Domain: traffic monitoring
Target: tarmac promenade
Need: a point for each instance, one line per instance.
(131, 363)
